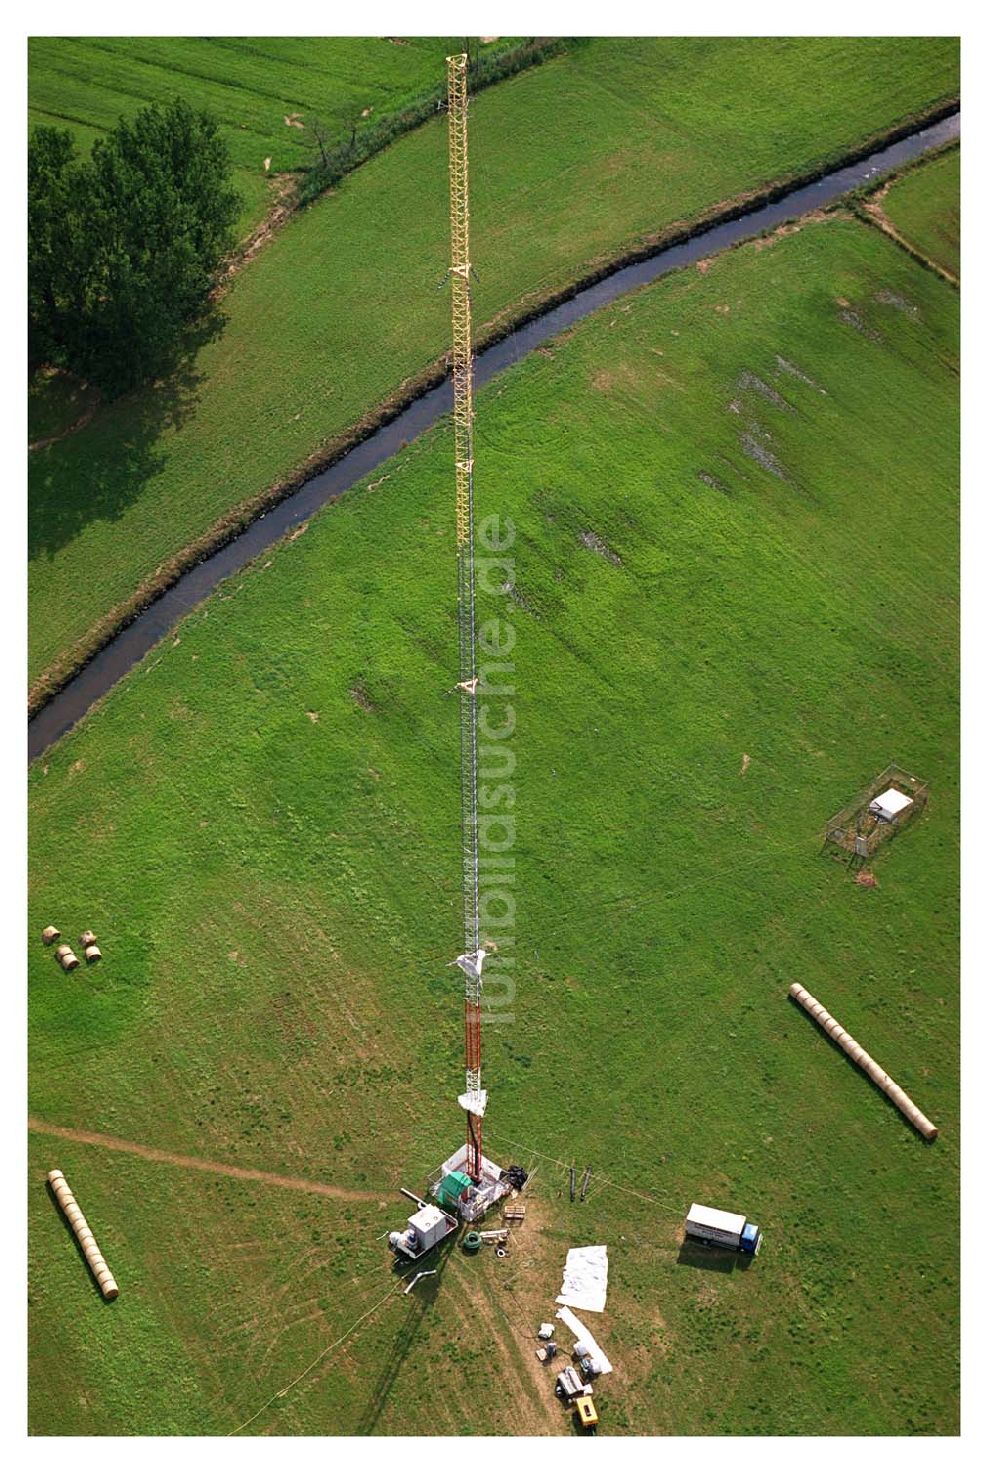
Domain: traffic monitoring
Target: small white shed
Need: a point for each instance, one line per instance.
(890, 805)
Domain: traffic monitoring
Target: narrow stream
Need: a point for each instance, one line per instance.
(136, 640)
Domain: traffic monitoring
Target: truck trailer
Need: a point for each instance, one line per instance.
(717, 1227)
(424, 1230)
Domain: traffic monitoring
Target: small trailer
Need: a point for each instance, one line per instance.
(424, 1230)
(718, 1227)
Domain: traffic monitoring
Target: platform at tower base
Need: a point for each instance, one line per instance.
(476, 1199)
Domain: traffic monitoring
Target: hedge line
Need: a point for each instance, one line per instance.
(483, 72)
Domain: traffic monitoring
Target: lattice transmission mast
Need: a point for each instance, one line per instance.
(473, 1099)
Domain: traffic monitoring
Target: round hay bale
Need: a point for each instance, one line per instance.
(69, 961)
(62, 950)
(93, 954)
(49, 935)
(87, 938)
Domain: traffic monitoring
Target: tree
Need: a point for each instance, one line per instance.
(125, 248)
(53, 244)
(335, 142)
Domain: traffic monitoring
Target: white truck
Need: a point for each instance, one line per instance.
(718, 1227)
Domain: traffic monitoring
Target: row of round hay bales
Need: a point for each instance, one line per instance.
(85, 1236)
(862, 1059)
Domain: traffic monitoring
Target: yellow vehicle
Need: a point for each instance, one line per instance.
(586, 1412)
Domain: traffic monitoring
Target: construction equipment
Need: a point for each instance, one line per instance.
(424, 1230)
(569, 1384)
(516, 1177)
(586, 1412)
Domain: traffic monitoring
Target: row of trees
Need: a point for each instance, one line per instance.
(124, 248)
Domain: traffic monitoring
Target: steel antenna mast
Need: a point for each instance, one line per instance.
(473, 1099)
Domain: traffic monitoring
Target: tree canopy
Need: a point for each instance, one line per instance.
(124, 247)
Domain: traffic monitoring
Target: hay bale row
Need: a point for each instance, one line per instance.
(861, 1058)
(84, 1235)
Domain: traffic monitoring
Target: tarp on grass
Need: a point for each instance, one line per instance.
(585, 1278)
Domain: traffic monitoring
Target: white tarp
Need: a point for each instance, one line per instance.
(584, 1335)
(585, 1278)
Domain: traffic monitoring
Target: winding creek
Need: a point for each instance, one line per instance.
(111, 663)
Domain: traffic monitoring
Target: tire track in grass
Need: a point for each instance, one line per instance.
(204, 1165)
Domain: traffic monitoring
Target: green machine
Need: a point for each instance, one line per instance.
(452, 1187)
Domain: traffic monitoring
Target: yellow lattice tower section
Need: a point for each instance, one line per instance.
(461, 304)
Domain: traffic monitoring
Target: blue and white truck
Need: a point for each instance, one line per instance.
(718, 1227)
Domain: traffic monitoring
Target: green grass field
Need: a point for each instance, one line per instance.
(260, 825)
(924, 207)
(572, 162)
(249, 83)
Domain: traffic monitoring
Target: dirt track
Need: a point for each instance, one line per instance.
(205, 1165)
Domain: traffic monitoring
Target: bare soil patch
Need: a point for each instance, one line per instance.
(597, 545)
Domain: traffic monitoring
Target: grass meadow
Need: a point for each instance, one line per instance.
(250, 84)
(572, 163)
(734, 498)
(923, 205)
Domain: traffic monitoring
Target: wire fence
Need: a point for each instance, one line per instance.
(857, 830)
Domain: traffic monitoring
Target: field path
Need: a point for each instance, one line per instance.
(205, 1165)
(874, 209)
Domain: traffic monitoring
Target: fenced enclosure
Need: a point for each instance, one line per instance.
(859, 833)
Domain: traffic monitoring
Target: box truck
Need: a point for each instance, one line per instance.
(717, 1227)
